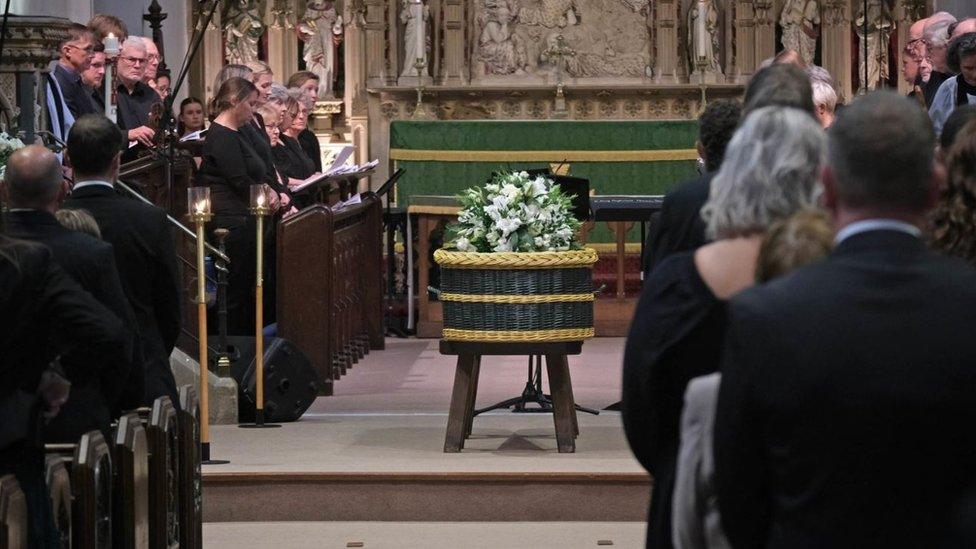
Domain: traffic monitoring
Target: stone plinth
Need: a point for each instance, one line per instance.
(223, 390)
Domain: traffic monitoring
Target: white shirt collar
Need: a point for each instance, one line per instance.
(866, 225)
(91, 182)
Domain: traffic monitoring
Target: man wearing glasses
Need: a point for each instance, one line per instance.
(134, 98)
(936, 39)
(76, 54)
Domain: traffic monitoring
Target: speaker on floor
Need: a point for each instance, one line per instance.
(290, 382)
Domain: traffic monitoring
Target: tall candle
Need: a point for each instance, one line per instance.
(418, 13)
(111, 44)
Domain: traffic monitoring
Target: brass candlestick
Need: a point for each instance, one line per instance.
(198, 208)
(260, 207)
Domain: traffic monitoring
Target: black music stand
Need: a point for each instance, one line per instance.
(579, 189)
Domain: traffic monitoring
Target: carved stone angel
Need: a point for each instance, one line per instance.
(243, 30)
(879, 28)
(800, 20)
(321, 31)
(500, 49)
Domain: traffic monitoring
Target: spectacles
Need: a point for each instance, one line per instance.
(135, 60)
(155, 57)
(89, 50)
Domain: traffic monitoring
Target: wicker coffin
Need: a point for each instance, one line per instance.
(535, 296)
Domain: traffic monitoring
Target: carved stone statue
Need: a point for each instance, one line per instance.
(321, 30)
(703, 45)
(550, 13)
(414, 15)
(499, 48)
(879, 28)
(800, 20)
(243, 30)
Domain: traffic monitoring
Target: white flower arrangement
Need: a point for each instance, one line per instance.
(8, 145)
(516, 213)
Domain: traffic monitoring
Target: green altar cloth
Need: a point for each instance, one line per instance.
(618, 157)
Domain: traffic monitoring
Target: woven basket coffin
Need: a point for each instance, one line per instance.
(517, 296)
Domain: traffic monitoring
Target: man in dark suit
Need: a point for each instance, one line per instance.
(76, 55)
(100, 390)
(680, 226)
(143, 243)
(848, 396)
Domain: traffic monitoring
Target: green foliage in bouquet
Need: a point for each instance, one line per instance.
(516, 213)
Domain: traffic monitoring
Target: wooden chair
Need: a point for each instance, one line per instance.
(191, 493)
(59, 487)
(163, 434)
(91, 486)
(13, 514)
(131, 495)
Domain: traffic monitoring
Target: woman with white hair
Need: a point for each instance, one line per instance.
(769, 172)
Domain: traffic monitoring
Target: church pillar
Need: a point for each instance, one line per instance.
(210, 56)
(666, 37)
(282, 45)
(452, 66)
(765, 30)
(355, 83)
(741, 42)
(836, 44)
(377, 68)
(393, 65)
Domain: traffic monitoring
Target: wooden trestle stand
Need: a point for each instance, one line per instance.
(198, 206)
(260, 200)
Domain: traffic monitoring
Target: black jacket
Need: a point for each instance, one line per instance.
(680, 226)
(46, 313)
(146, 259)
(91, 263)
(848, 399)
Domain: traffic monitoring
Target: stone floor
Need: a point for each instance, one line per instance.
(427, 535)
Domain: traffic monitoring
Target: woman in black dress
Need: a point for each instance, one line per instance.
(230, 166)
(307, 84)
(288, 154)
(769, 172)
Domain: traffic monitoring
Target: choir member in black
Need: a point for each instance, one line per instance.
(76, 52)
(230, 166)
(135, 98)
(35, 187)
(191, 119)
(45, 314)
(142, 240)
(307, 83)
(289, 156)
(254, 131)
(94, 76)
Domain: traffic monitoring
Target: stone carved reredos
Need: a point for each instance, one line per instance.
(32, 42)
(610, 38)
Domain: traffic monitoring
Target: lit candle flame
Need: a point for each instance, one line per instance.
(261, 200)
(201, 207)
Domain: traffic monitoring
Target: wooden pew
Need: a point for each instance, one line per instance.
(163, 436)
(330, 284)
(131, 494)
(191, 484)
(91, 487)
(59, 487)
(13, 514)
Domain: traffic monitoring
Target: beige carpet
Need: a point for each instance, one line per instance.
(356, 443)
(427, 535)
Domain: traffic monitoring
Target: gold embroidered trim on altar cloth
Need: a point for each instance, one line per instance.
(543, 156)
(516, 299)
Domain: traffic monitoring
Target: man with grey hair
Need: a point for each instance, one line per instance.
(935, 37)
(825, 100)
(846, 406)
(100, 390)
(135, 97)
(965, 26)
(152, 61)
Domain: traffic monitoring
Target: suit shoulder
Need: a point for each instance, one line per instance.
(691, 191)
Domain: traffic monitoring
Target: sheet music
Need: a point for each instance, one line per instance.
(341, 157)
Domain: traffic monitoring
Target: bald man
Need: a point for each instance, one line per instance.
(964, 27)
(100, 389)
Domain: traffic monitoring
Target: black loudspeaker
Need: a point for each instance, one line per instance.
(290, 382)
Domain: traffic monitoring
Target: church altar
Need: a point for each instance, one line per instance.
(618, 157)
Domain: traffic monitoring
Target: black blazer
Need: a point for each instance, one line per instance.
(680, 226)
(848, 399)
(46, 313)
(146, 258)
(91, 263)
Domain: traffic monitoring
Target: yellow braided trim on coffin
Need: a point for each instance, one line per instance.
(517, 299)
(515, 260)
(424, 155)
(565, 334)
